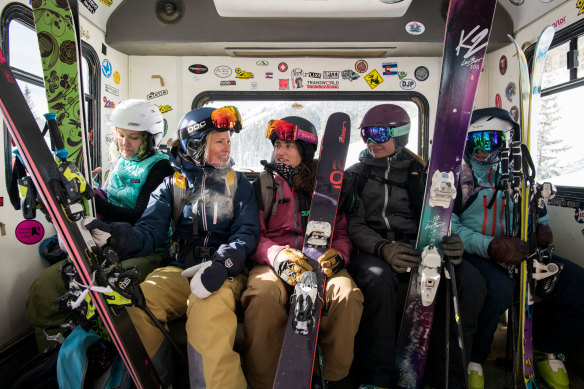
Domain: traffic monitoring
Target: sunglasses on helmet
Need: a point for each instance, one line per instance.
(227, 117)
(280, 129)
(487, 141)
(378, 134)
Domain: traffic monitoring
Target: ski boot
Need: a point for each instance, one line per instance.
(552, 369)
(476, 378)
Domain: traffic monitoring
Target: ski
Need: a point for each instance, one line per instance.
(61, 187)
(300, 340)
(467, 33)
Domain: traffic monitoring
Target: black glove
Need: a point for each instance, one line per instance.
(453, 249)
(331, 262)
(544, 235)
(289, 264)
(400, 256)
(100, 232)
(207, 277)
(508, 250)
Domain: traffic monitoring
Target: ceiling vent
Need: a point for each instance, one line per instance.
(312, 8)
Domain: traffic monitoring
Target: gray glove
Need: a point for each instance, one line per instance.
(453, 249)
(400, 256)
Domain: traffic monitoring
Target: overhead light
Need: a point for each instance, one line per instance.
(369, 52)
(312, 8)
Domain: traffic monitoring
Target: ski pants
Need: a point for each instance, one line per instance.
(211, 326)
(265, 318)
(42, 308)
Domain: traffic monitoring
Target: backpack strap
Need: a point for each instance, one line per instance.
(179, 196)
(265, 187)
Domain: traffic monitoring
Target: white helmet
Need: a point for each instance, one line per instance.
(139, 115)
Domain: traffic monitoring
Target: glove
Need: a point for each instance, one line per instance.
(453, 249)
(508, 250)
(100, 232)
(207, 278)
(544, 235)
(400, 256)
(331, 262)
(289, 264)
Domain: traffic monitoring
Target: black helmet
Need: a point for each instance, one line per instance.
(388, 115)
(308, 148)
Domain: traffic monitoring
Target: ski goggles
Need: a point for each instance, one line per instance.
(281, 129)
(486, 141)
(227, 118)
(378, 134)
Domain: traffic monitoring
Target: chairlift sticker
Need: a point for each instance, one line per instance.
(262, 62)
(107, 2)
(108, 103)
(514, 111)
(361, 66)
(415, 28)
(580, 6)
(30, 232)
(390, 69)
(349, 74)
(243, 74)
(106, 68)
(164, 108)
(421, 73)
(198, 69)
(90, 5)
(153, 95)
(282, 66)
(498, 101)
(116, 77)
(503, 65)
(373, 79)
(579, 215)
(283, 84)
(407, 84)
(223, 71)
(112, 90)
(510, 91)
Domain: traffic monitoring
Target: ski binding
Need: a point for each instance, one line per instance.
(318, 233)
(306, 292)
(442, 191)
(429, 273)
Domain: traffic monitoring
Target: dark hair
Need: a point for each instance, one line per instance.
(305, 179)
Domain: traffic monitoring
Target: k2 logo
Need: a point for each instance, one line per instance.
(473, 46)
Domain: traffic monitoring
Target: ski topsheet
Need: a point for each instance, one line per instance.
(84, 253)
(299, 346)
(467, 34)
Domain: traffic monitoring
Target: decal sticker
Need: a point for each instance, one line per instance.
(164, 108)
(90, 5)
(30, 232)
(106, 68)
(262, 62)
(402, 75)
(313, 75)
(503, 65)
(223, 71)
(407, 84)
(153, 95)
(361, 66)
(373, 79)
(517, 2)
(160, 77)
(415, 28)
(580, 6)
(254, 85)
(282, 66)
(328, 75)
(283, 83)
(579, 215)
(107, 2)
(349, 74)
(510, 91)
(112, 90)
(227, 83)
(296, 78)
(559, 22)
(322, 84)
(389, 69)
(108, 103)
(84, 33)
(116, 77)
(198, 69)
(514, 111)
(421, 73)
(498, 101)
(243, 74)
(1, 201)
(269, 75)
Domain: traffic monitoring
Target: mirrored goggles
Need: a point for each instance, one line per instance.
(378, 134)
(280, 129)
(487, 141)
(227, 118)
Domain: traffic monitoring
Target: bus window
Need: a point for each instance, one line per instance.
(257, 113)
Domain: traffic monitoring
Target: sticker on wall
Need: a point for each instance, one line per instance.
(510, 91)
(580, 6)
(282, 66)
(112, 90)
(415, 28)
(254, 85)
(164, 108)
(498, 101)
(517, 2)
(514, 111)
(1, 201)
(223, 71)
(361, 66)
(314, 75)
(90, 5)
(283, 83)
(108, 103)
(227, 83)
(262, 62)
(30, 232)
(503, 65)
(325, 84)
(559, 22)
(579, 215)
(402, 75)
(243, 74)
(349, 74)
(407, 84)
(330, 75)
(106, 68)
(84, 33)
(421, 73)
(389, 69)
(153, 95)
(269, 75)
(296, 78)
(198, 69)
(116, 77)
(373, 79)
(107, 2)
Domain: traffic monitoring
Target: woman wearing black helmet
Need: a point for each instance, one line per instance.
(214, 219)
(279, 263)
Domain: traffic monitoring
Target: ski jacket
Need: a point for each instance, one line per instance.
(387, 206)
(284, 228)
(228, 225)
(477, 217)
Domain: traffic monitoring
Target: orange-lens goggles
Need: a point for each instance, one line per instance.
(280, 129)
(226, 117)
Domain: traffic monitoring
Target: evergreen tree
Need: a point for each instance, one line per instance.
(549, 147)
